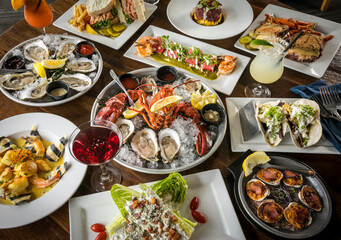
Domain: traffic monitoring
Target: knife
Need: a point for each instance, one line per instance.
(114, 76)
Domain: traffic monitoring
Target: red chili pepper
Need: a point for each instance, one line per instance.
(198, 217)
(194, 204)
(101, 236)
(97, 227)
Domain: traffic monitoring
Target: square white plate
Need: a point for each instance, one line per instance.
(257, 143)
(115, 43)
(326, 27)
(224, 84)
(215, 203)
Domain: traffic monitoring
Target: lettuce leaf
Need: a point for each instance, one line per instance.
(102, 24)
(186, 225)
(175, 185)
(121, 194)
(116, 223)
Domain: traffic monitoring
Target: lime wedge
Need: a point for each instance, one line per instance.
(260, 42)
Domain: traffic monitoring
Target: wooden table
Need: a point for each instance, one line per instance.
(56, 225)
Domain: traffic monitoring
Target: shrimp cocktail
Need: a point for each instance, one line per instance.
(95, 143)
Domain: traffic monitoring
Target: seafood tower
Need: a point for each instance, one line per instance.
(208, 13)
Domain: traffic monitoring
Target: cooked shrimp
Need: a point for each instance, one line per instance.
(43, 183)
(18, 185)
(37, 145)
(145, 46)
(6, 174)
(26, 169)
(227, 65)
(43, 166)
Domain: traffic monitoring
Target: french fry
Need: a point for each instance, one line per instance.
(80, 18)
(79, 13)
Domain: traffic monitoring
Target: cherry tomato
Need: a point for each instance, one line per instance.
(198, 217)
(194, 204)
(97, 227)
(101, 236)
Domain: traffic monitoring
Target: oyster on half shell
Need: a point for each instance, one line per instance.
(15, 81)
(34, 92)
(149, 89)
(78, 81)
(36, 51)
(127, 128)
(66, 47)
(169, 142)
(144, 143)
(84, 65)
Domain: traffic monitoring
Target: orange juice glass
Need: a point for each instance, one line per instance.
(38, 15)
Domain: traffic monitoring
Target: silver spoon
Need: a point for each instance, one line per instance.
(114, 76)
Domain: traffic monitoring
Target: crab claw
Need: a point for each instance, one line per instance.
(204, 140)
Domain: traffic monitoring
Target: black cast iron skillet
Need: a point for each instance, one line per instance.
(320, 219)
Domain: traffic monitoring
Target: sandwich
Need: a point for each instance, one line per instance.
(304, 122)
(307, 48)
(272, 121)
(102, 13)
(130, 10)
(271, 30)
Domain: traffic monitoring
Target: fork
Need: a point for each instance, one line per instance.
(330, 100)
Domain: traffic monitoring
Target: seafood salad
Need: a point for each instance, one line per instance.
(163, 130)
(192, 59)
(29, 167)
(47, 59)
(152, 214)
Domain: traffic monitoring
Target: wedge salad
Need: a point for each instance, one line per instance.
(152, 213)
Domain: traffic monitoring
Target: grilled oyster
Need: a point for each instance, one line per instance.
(297, 215)
(270, 176)
(36, 51)
(271, 118)
(256, 190)
(304, 122)
(269, 211)
(169, 142)
(66, 47)
(292, 179)
(34, 92)
(144, 143)
(78, 81)
(127, 128)
(84, 65)
(14, 81)
(310, 198)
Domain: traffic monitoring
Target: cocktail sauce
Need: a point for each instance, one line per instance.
(86, 49)
(129, 83)
(167, 76)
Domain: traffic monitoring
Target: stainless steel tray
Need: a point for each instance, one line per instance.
(112, 88)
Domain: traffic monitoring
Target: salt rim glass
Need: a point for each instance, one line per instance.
(104, 177)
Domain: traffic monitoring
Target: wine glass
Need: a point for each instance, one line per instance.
(95, 143)
(266, 67)
(38, 14)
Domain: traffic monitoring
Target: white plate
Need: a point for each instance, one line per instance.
(51, 103)
(257, 143)
(115, 43)
(215, 203)
(51, 127)
(224, 83)
(237, 17)
(326, 27)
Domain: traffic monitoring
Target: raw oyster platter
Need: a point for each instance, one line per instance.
(323, 146)
(29, 88)
(183, 130)
(285, 196)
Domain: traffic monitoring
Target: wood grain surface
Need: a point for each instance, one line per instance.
(56, 225)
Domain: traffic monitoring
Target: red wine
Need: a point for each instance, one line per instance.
(95, 145)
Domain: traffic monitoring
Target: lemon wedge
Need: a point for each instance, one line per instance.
(253, 160)
(199, 100)
(16, 4)
(40, 70)
(131, 113)
(165, 102)
(90, 30)
(53, 64)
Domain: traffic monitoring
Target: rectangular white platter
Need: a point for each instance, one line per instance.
(115, 43)
(214, 202)
(257, 143)
(326, 27)
(224, 83)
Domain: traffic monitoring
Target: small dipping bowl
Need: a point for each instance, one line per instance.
(57, 90)
(166, 74)
(129, 81)
(15, 62)
(216, 110)
(85, 49)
